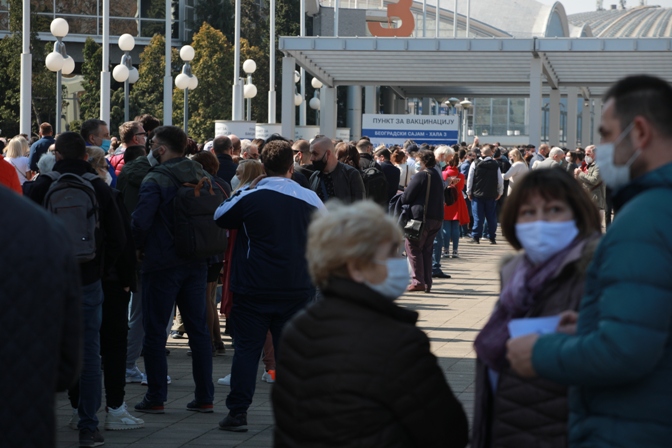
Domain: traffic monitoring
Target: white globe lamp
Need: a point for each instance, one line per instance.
(120, 73)
(182, 81)
(187, 53)
(314, 103)
(249, 66)
(133, 76)
(193, 82)
(68, 66)
(54, 61)
(316, 83)
(249, 91)
(59, 27)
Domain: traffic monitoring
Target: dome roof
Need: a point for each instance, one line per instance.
(642, 21)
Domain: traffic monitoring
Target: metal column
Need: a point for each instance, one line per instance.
(554, 118)
(535, 101)
(597, 118)
(328, 111)
(354, 118)
(26, 74)
(287, 105)
(585, 123)
(370, 100)
(572, 116)
(426, 106)
(167, 77)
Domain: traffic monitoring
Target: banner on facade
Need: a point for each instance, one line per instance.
(396, 129)
(241, 129)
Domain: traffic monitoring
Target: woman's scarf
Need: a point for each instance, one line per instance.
(518, 297)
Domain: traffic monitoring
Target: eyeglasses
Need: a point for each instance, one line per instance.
(140, 133)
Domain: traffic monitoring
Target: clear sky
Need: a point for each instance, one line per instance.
(575, 6)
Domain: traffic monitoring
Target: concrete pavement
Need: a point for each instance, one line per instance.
(451, 315)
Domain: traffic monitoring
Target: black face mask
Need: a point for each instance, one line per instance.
(321, 164)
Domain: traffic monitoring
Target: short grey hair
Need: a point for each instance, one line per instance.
(46, 163)
(445, 150)
(556, 152)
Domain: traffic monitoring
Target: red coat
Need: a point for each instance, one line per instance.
(458, 211)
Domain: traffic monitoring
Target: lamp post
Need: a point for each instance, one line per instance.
(125, 72)
(58, 61)
(466, 105)
(250, 90)
(186, 80)
(298, 98)
(314, 102)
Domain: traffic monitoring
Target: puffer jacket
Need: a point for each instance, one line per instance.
(522, 412)
(355, 371)
(153, 218)
(619, 362)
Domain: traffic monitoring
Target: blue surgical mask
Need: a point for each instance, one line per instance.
(615, 176)
(105, 145)
(397, 279)
(442, 165)
(542, 239)
(417, 166)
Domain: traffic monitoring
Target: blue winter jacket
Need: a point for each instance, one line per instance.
(269, 256)
(153, 217)
(620, 360)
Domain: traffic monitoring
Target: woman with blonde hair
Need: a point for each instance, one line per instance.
(350, 340)
(247, 171)
(517, 170)
(97, 161)
(15, 154)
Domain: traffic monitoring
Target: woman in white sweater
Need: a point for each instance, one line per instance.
(517, 170)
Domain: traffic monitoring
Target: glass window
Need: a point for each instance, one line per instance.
(153, 9)
(499, 116)
(80, 25)
(149, 28)
(4, 21)
(123, 8)
(35, 5)
(517, 114)
(121, 26)
(83, 7)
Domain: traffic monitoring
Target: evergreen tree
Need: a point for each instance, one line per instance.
(89, 102)
(147, 93)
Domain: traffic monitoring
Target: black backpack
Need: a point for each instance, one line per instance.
(375, 185)
(195, 233)
(73, 200)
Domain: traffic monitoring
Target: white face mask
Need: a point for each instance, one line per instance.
(589, 159)
(397, 279)
(615, 176)
(235, 182)
(568, 159)
(152, 159)
(542, 239)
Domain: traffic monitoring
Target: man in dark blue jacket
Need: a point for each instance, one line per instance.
(167, 278)
(269, 277)
(391, 172)
(41, 146)
(222, 148)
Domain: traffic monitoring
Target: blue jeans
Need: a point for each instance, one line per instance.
(184, 285)
(484, 209)
(136, 332)
(251, 319)
(90, 387)
(451, 232)
(436, 255)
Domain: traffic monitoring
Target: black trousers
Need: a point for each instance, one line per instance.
(113, 341)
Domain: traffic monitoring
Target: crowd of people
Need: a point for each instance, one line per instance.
(311, 243)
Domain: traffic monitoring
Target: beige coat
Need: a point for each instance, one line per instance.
(593, 183)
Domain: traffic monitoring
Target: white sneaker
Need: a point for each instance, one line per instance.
(268, 376)
(226, 381)
(119, 419)
(135, 375)
(74, 420)
(144, 380)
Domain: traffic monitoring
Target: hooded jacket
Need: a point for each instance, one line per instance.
(130, 179)
(153, 217)
(619, 362)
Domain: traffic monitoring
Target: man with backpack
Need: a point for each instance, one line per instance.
(132, 134)
(171, 272)
(84, 203)
(333, 179)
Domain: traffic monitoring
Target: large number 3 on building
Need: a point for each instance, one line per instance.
(400, 10)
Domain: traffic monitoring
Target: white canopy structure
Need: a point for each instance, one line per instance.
(475, 67)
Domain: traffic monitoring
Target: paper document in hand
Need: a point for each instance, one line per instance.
(538, 325)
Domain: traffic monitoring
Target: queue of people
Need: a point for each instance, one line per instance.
(314, 288)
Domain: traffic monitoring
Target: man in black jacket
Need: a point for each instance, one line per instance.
(484, 187)
(391, 172)
(71, 157)
(41, 310)
(222, 148)
(365, 150)
(333, 179)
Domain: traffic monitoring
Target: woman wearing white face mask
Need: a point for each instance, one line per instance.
(355, 362)
(554, 221)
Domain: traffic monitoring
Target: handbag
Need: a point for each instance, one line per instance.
(450, 195)
(414, 227)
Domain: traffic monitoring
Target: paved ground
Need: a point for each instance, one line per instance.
(451, 315)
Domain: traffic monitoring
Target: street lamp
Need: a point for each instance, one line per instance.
(314, 102)
(298, 99)
(58, 61)
(250, 90)
(186, 80)
(125, 72)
